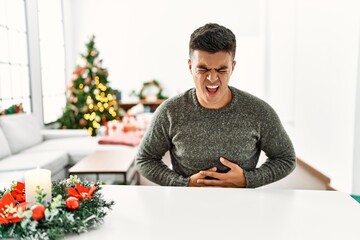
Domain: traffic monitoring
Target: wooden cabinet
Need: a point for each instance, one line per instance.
(151, 105)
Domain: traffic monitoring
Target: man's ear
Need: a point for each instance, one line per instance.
(190, 65)
(233, 65)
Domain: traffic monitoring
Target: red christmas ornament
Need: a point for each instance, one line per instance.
(93, 53)
(83, 122)
(88, 80)
(19, 108)
(72, 203)
(38, 212)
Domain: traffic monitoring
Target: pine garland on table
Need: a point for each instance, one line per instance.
(15, 108)
(76, 207)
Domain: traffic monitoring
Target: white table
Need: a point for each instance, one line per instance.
(143, 212)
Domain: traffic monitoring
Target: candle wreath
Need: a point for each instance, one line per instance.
(76, 207)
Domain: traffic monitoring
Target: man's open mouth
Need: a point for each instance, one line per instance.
(212, 89)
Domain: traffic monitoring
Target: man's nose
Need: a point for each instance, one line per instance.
(212, 76)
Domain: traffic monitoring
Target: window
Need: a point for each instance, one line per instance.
(52, 54)
(14, 66)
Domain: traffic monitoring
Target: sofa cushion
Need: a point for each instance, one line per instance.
(78, 147)
(21, 131)
(6, 178)
(4, 146)
(55, 161)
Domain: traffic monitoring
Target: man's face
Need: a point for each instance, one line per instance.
(211, 73)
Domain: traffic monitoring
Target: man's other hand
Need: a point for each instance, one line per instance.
(233, 178)
(194, 178)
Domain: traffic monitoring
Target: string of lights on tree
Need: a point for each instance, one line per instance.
(91, 101)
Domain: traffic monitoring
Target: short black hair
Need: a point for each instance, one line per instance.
(213, 38)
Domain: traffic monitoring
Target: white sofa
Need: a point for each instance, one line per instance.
(24, 145)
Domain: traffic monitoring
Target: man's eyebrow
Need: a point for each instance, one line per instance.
(221, 68)
(217, 69)
(202, 66)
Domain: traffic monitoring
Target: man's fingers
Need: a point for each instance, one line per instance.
(227, 163)
(202, 174)
(207, 182)
(210, 178)
(213, 169)
(214, 183)
(205, 173)
(210, 174)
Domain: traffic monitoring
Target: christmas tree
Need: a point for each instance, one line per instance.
(90, 102)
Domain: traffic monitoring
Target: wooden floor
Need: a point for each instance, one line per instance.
(303, 177)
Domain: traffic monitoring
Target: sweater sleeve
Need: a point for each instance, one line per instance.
(276, 144)
(153, 147)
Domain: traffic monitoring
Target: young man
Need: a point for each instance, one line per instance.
(215, 132)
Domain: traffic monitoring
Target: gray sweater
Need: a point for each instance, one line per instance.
(197, 137)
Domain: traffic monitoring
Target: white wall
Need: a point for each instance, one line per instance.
(314, 64)
(300, 55)
(356, 166)
(280, 42)
(143, 40)
(326, 61)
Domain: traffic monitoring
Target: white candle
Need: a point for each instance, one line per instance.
(37, 177)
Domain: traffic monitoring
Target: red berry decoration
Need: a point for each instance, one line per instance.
(72, 203)
(38, 212)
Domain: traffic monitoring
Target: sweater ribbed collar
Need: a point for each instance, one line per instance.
(228, 107)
